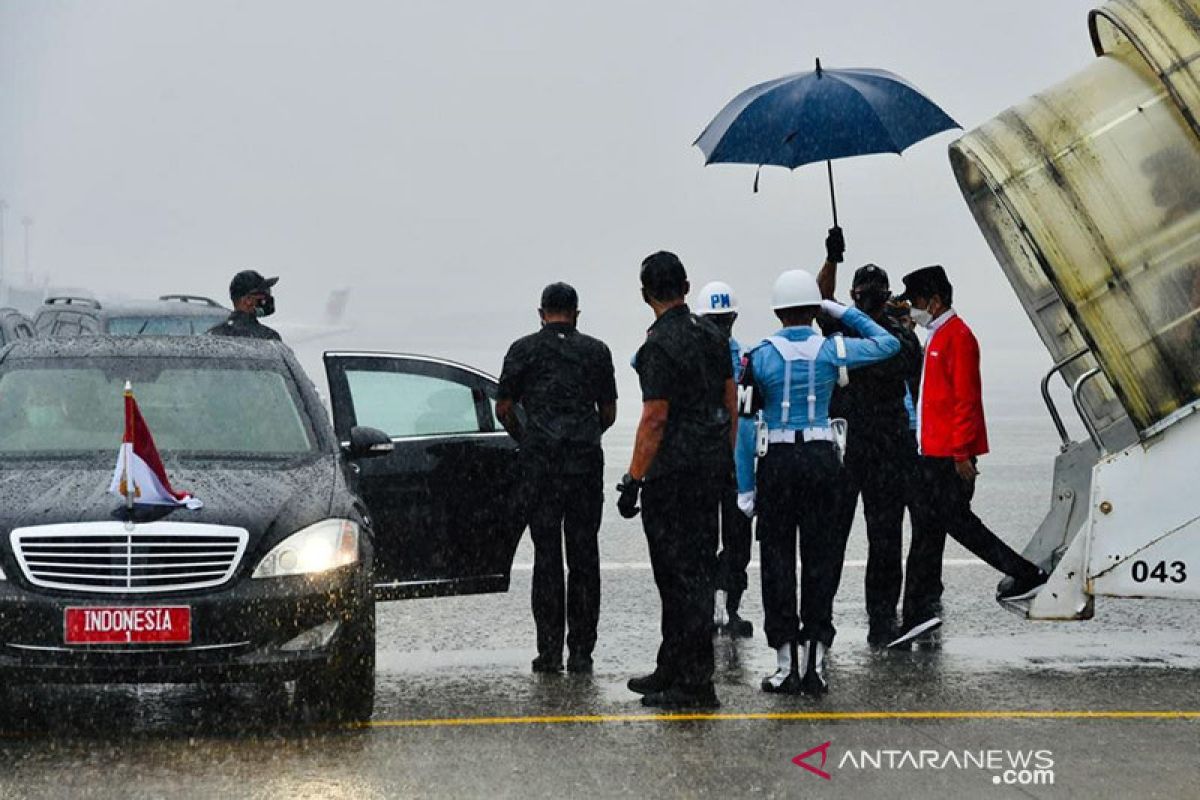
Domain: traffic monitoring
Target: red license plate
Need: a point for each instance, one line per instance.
(128, 625)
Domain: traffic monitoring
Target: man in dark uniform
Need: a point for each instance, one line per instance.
(252, 298)
(564, 381)
(881, 450)
(682, 465)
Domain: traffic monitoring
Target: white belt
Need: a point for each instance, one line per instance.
(806, 435)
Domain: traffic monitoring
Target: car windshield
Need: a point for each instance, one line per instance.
(147, 325)
(194, 407)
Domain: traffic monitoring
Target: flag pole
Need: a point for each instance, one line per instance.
(125, 448)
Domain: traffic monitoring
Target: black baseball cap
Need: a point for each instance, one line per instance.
(925, 282)
(248, 282)
(560, 297)
(870, 274)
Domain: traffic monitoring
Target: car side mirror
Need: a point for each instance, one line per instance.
(368, 443)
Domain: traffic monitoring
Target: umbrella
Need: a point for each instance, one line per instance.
(819, 116)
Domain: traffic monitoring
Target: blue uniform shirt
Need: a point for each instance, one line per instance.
(765, 375)
(744, 449)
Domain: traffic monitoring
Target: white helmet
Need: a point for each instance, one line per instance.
(795, 288)
(716, 298)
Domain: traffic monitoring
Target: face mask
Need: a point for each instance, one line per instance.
(265, 307)
(921, 317)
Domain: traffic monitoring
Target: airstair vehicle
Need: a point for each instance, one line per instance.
(1089, 195)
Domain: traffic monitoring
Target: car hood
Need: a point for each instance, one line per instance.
(262, 498)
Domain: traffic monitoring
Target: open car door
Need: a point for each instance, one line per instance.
(445, 503)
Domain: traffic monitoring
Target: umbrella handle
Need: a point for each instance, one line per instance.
(832, 194)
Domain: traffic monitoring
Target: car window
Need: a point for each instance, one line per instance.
(401, 404)
(3, 338)
(146, 325)
(45, 322)
(192, 409)
(23, 331)
(67, 325)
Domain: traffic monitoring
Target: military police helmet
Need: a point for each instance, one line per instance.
(716, 298)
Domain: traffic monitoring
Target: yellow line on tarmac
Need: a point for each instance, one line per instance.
(783, 716)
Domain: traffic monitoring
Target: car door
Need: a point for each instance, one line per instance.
(445, 503)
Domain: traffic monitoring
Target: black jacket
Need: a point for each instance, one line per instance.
(239, 323)
(873, 402)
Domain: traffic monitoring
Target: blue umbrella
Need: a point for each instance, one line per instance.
(819, 116)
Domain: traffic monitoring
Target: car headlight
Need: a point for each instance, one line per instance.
(328, 544)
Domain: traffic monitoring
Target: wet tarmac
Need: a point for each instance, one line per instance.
(459, 713)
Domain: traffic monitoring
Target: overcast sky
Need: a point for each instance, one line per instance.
(446, 160)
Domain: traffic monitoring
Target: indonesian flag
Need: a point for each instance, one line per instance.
(139, 476)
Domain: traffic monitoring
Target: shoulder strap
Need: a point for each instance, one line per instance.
(839, 343)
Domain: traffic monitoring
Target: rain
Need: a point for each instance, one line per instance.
(415, 174)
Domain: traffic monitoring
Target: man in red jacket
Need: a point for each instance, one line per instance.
(951, 435)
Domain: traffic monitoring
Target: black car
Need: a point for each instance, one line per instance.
(169, 315)
(410, 492)
(14, 325)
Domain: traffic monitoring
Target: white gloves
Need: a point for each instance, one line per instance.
(746, 503)
(833, 308)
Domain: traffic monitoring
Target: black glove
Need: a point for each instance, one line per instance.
(835, 245)
(627, 502)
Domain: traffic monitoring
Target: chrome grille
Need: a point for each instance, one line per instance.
(105, 557)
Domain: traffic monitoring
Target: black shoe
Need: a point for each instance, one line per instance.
(579, 663)
(547, 664)
(915, 630)
(683, 697)
(1014, 590)
(653, 683)
(739, 628)
(781, 684)
(881, 632)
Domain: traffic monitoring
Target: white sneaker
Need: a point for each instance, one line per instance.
(720, 614)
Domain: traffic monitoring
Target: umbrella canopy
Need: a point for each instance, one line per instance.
(820, 116)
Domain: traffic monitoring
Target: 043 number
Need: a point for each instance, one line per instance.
(1175, 572)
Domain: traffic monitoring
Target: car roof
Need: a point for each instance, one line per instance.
(215, 347)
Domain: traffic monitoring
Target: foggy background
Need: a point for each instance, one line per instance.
(446, 160)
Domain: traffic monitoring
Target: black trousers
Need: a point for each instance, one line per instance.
(736, 533)
(941, 505)
(880, 468)
(796, 488)
(565, 507)
(680, 514)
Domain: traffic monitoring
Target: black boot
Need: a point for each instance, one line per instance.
(736, 626)
(814, 683)
(786, 678)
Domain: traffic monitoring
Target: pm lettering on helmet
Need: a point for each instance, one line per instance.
(719, 301)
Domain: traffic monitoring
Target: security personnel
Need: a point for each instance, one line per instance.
(718, 304)
(252, 299)
(682, 464)
(564, 381)
(790, 378)
(881, 450)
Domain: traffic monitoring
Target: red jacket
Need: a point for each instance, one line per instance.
(951, 423)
